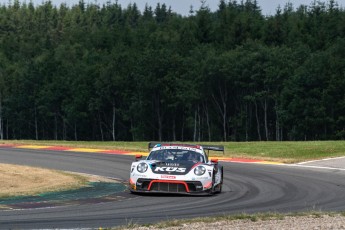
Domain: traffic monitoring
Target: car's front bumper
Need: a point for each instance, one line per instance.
(144, 185)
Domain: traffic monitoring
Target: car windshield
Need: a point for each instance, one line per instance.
(175, 155)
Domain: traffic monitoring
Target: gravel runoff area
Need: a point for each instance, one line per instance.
(335, 221)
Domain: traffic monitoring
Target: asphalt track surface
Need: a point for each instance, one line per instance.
(248, 188)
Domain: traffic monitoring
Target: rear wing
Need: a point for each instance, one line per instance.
(152, 144)
(205, 147)
(214, 148)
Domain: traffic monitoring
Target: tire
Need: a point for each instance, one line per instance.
(221, 182)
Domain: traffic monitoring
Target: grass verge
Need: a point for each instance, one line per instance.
(227, 218)
(18, 180)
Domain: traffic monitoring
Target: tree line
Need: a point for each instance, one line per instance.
(113, 73)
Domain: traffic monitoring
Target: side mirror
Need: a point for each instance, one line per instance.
(215, 161)
(138, 157)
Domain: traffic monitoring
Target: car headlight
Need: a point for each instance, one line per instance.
(200, 170)
(142, 167)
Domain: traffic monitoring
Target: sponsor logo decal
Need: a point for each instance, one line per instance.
(168, 177)
(138, 175)
(172, 164)
(170, 169)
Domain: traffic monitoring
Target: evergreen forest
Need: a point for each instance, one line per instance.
(108, 72)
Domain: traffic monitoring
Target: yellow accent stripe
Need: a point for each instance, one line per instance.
(84, 150)
(31, 147)
(220, 158)
(135, 153)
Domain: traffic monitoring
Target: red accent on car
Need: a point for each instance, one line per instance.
(168, 177)
(199, 163)
(208, 185)
(214, 161)
(170, 182)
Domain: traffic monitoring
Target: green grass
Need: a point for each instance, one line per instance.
(287, 152)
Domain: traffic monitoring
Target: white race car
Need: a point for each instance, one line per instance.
(177, 168)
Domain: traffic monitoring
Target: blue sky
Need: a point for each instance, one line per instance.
(183, 6)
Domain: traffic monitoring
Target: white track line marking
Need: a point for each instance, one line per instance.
(315, 167)
(326, 159)
(299, 165)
